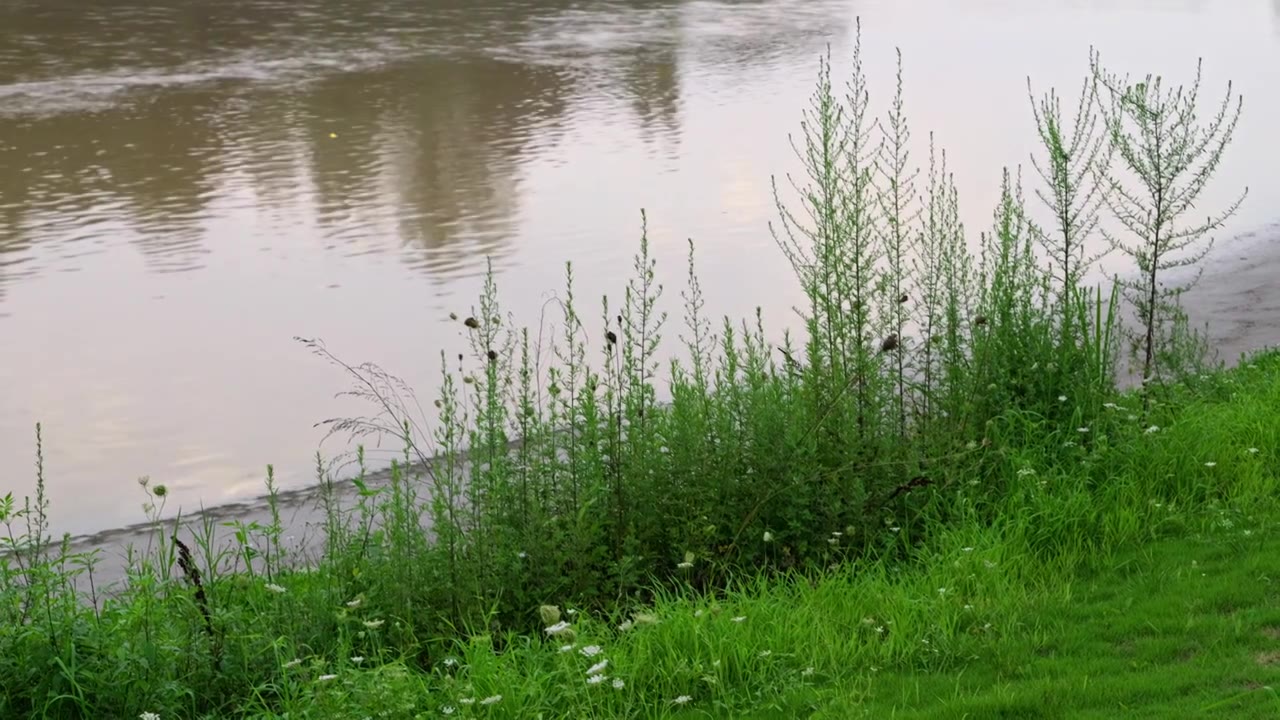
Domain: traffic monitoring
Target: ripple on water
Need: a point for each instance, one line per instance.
(99, 90)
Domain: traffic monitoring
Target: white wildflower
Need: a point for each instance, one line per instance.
(373, 624)
(326, 678)
(566, 648)
(522, 555)
(598, 667)
(895, 528)
(942, 591)
(740, 618)
(765, 653)
(1062, 398)
(768, 536)
(275, 588)
(355, 603)
(1210, 464)
(357, 659)
(450, 662)
(467, 701)
(148, 716)
(596, 679)
(1110, 405)
(448, 710)
(626, 626)
(557, 628)
(1253, 451)
(966, 549)
(293, 663)
(1082, 429)
(806, 672)
(491, 700)
(618, 684)
(590, 651)
(684, 565)
(682, 700)
(832, 541)
(1153, 429)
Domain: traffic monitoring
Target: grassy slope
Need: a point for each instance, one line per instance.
(1167, 609)
(1183, 627)
(1131, 578)
(1187, 625)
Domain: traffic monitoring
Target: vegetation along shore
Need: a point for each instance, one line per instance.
(940, 499)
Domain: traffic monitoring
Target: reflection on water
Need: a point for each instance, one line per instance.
(184, 186)
(409, 121)
(269, 156)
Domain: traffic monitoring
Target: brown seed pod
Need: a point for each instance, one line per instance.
(903, 299)
(890, 343)
(493, 355)
(980, 320)
(611, 337)
(471, 323)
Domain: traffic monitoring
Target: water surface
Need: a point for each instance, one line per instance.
(185, 186)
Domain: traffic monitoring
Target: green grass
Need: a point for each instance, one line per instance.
(936, 501)
(1071, 599)
(1185, 627)
(1171, 610)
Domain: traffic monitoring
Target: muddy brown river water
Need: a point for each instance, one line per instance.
(185, 186)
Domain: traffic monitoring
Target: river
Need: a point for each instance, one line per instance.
(185, 186)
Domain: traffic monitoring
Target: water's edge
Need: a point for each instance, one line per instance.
(1236, 297)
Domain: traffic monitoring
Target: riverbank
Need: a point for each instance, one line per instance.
(1237, 301)
(1144, 594)
(1238, 298)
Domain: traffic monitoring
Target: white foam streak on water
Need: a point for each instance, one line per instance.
(93, 91)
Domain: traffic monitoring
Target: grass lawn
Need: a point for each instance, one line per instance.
(1182, 627)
